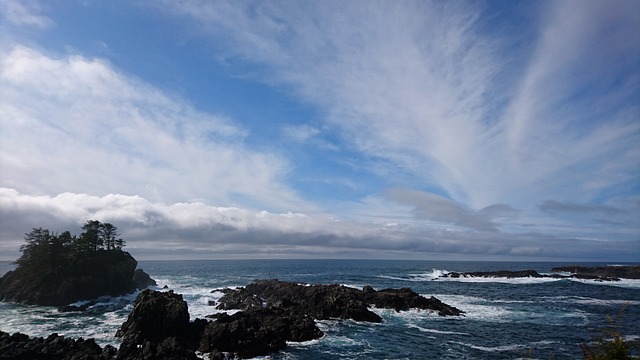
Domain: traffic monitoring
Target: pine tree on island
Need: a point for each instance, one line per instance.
(57, 269)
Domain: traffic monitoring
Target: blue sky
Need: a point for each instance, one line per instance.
(361, 129)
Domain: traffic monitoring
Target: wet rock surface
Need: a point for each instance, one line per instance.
(599, 273)
(329, 301)
(159, 328)
(620, 272)
(55, 347)
(272, 313)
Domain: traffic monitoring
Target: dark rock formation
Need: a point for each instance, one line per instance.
(620, 272)
(257, 332)
(100, 273)
(54, 347)
(159, 328)
(500, 273)
(274, 312)
(328, 301)
(405, 299)
(599, 273)
(71, 308)
(142, 280)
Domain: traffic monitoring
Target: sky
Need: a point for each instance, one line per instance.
(436, 130)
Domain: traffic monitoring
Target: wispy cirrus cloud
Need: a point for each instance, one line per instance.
(423, 85)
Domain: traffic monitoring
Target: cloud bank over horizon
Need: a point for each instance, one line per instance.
(469, 130)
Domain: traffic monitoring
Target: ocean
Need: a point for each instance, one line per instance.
(526, 318)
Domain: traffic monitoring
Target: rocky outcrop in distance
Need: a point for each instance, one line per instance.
(101, 273)
(613, 271)
(598, 273)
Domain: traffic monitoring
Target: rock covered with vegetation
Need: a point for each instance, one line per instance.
(58, 269)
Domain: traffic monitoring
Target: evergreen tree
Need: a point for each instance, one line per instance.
(35, 249)
(54, 253)
(90, 238)
(109, 234)
(119, 243)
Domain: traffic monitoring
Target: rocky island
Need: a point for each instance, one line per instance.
(598, 273)
(56, 270)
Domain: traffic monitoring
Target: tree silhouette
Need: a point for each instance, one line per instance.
(109, 234)
(46, 251)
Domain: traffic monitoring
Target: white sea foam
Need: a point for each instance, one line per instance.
(441, 275)
(502, 348)
(436, 331)
(40, 321)
(477, 308)
(590, 301)
(624, 283)
(481, 309)
(405, 314)
(303, 343)
(201, 300)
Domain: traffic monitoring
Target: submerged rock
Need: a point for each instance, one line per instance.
(497, 274)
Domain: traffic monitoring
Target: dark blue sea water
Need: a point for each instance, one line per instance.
(505, 318)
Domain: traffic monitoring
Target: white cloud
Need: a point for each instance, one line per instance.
(24, 13)
(571, 127)
(197, 230)
(71, 122)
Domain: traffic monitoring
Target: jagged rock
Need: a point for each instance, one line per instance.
(156, 315)
(274, 312)
(328, 301)
(142, 280)
(257, 331)
(158, 327)
(405, 299)
(22, 347)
